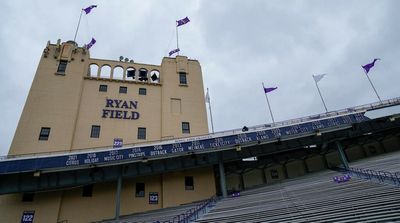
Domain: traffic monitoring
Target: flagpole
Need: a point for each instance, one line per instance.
(209, 106)
(79, 22)
(269, 106)
(373, 87)
(316, 84)
(177, 38)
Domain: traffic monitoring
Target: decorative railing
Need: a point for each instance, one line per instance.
(193, 213)
(377, 176)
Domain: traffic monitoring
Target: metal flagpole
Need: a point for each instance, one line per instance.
(79, 22)
(209, 106)
(177, 38)
(269, 106)
(373, 87)
(316, 84)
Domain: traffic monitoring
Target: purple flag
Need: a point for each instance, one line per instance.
(173, 51)
(182, 21)
(88, 9)
(92, 42)
(367, 67)
(269, 89)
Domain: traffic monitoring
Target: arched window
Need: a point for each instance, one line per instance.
(118, 73)
(93, 68)
(130, 73)
(105, 71)
(155, 76)
(143, 75)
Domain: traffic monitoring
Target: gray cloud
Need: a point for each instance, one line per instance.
(240, 44)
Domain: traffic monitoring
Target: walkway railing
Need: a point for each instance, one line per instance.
(193, 213)
(377, 176)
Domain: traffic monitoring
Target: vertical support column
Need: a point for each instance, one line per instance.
(241, 181)
(98, 70)
(263, 177)
(342, 155)
(363, 151)
(222, 180)
(382, 146)
(285, 172)
(325, 161)
(306, 169)
(118, 194)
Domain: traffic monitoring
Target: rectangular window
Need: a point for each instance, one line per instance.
(87, 190)
(185, 127)
(142, 91)
(44, 133)
(27, 197)
(182, 78)
(103, 88)
(123, 90)
(95, 133)
(62, 66)
(139, 190)
(141, 133)
(189, 184)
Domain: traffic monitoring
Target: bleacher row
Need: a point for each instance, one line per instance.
(172, 214)
(311, 198)
(316, 198)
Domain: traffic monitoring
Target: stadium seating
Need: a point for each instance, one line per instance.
(316, 198)
(312, 198)
(173, 214)
(385, 162)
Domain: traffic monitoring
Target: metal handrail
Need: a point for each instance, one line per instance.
(370, 175)
(191, 214)
(321, 116)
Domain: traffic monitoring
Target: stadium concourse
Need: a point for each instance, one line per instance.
(314, 197)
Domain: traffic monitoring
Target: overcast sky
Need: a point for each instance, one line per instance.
(239, 44)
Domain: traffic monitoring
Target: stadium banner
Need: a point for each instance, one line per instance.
(27, 216)
(206, 144)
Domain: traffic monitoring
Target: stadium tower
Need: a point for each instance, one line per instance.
(77, 103)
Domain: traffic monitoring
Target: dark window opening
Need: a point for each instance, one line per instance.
(123, 90)
(142, 91)
(27, 197)
(95, 133)
(87, 190)
(141, 133)
(62, 66)
(130, 74)
(44, 133)
(103, 88)
(189, 183)
(182, 78)
(140, 190)
(185, 127)
(143, 75)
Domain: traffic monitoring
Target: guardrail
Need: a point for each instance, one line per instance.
(360, 108)
(193, 213)
(377, 176)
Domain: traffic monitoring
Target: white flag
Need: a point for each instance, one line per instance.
(207, 97)
(317, 78)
